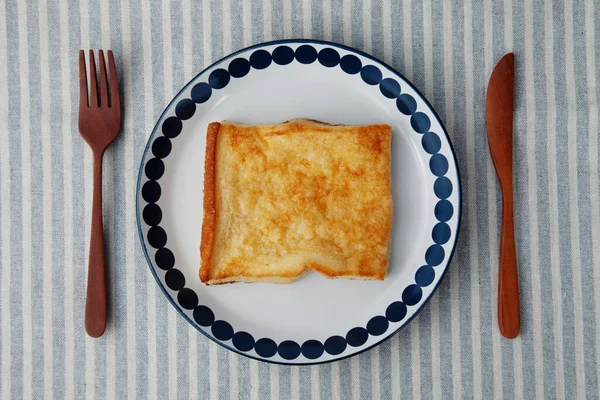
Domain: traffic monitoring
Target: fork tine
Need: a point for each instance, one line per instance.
(93, 82)
(103, 80)
(83, 92)
(115, 100)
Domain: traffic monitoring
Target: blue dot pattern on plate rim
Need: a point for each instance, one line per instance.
(260, 59)
(335, 345)
(390, 88)
(441, 233)
(425, 275)
(156, 236)
(243, 341)
(265, 347)
(175, 279)
(328, 57)
(289, 349)
(406, 104)
(283, 55)
(371, 75)
(312, 349)
(377, 325)
(152, 214)
(202, 91)
(155, 168)
(187, 298)
(350, 64)
(238, 68)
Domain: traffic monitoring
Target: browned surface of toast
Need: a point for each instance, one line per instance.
(280, 200)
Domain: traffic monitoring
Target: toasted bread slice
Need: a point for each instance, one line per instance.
(280, 200)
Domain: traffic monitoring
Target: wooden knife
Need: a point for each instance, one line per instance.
(499, 121)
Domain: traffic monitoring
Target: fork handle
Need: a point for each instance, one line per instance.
(95, 304)
(508, 280)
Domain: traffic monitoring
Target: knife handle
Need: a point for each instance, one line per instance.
(508, 281)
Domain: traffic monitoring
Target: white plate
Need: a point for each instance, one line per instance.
(314, 319)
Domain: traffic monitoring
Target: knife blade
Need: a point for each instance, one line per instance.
(499, 124)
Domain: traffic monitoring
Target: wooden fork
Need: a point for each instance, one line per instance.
(99, 125)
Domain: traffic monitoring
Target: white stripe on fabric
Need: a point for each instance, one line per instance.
(213, 366)
(355, 372)
(407, 33)
(227, 26)
(193, 362)
(47, 294)
(508, 26)
(247, 24)
(347, 19)
(366, 21)
(415, 357)
(574, 200)
(67, 145)
(327, 22)
(428, 48)
(125, 77)
(532, 201)
(267, 21)
(375, 389)
(287, 19)
(552, 198)
(493, 236)
(207, 27)
(472, 200)
(295, 383)
(5, 228)
(593, 157)
(307, 19)
(387, 31)
(274, 377)
(26, 201)
(395, 366)
(315, 383)
(105, 27)
(187, 44)
(233, 376)
(167, 46)
(335, 380)
(254, 380)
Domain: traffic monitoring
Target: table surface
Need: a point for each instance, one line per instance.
(448, 50)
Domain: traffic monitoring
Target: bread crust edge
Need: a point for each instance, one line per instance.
(209, 221)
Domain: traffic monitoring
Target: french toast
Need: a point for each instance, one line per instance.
(281, 200)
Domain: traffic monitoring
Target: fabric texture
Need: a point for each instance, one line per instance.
(447, 49)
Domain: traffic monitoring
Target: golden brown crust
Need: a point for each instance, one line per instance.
(293, 197)
(209, 221)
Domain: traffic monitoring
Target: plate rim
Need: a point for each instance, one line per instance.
(297, 41)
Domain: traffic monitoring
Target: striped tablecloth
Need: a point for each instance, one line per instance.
(447, 49)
